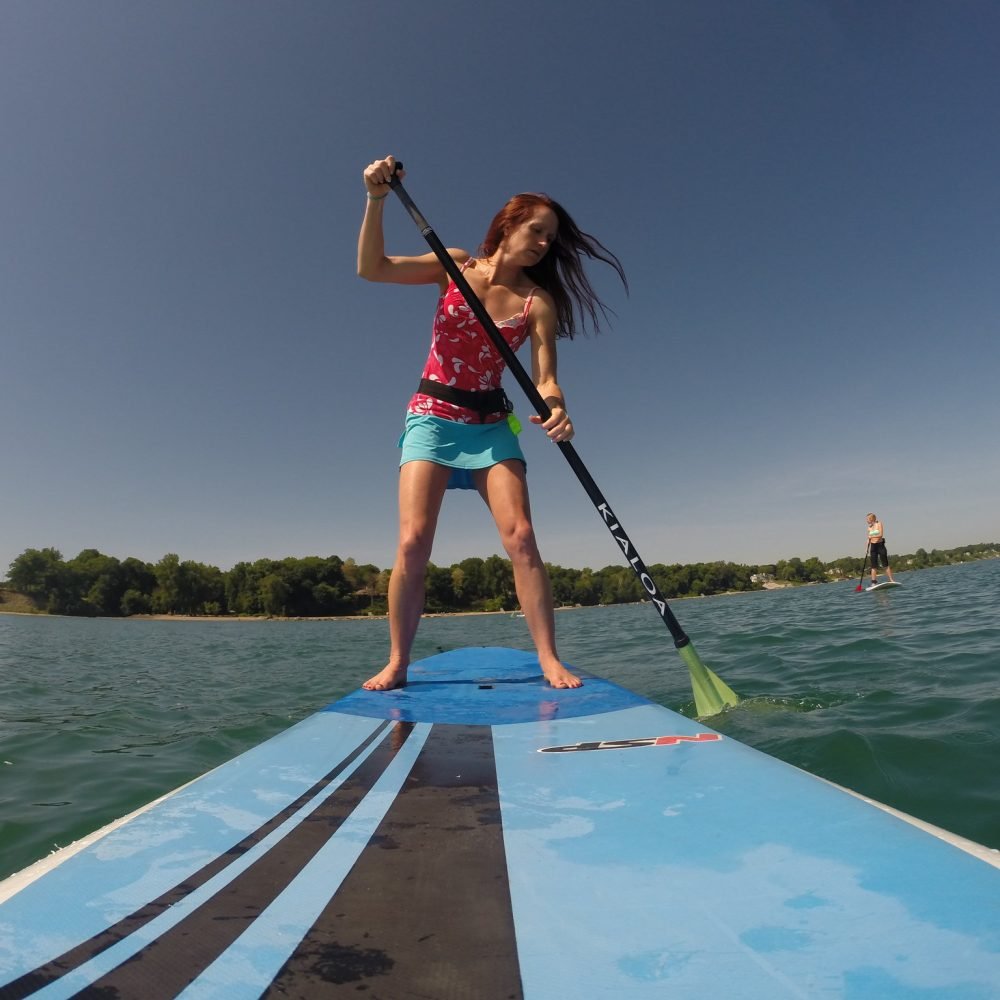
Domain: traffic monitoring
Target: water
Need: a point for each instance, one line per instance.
(893, 694)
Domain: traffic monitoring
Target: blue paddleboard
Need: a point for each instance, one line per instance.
(481, 835)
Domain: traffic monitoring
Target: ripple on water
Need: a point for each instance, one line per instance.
(894, 695)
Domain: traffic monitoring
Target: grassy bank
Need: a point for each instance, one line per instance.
(19, 604)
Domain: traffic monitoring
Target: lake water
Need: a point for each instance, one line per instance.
(894, 694)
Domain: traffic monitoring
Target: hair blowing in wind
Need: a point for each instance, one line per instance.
(560, 272)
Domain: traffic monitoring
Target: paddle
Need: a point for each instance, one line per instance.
(863, 561)
(711, 693)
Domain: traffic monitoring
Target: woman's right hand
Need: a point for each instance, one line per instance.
(378, 174)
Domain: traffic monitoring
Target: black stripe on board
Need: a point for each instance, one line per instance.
(426, 910)
(162, 969)
(55, 969)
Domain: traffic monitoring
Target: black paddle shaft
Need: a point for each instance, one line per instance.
(608, 516)
(864, 562)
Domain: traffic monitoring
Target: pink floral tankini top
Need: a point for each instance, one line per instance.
(463, 356)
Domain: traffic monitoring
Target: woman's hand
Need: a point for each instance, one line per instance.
(377, 176)
(558, 427)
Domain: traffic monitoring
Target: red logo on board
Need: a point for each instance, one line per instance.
(651, 741)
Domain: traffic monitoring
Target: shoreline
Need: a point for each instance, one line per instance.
(771, 585)
(267, 618)
(326, 618)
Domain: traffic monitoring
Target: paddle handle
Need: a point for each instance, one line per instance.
(608, 516)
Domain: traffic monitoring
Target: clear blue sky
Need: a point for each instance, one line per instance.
(804, 194)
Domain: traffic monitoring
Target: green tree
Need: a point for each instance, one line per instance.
(368, 582)
(138, 575)
(135, 602)
(382, 589)
(474, 587)
(498, 581)
(242, 586)
(41, 574)
(846, 566)
(170, 590)
(273, 595)
(326, 600)
(619, 585)
(439, 595)
(813, 570)
(563, 583)
(186, 588)
(458, 586)
(789, 570)
(100, 581)
(586, 590)
(673, 580)
(206, 588)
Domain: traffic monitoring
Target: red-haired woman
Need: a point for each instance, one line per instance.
(459, 435)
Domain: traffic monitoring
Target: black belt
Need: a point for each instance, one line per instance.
(484, 403)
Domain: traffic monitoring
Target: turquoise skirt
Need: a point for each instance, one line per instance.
(462, 447)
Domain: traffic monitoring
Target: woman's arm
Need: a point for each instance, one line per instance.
(373, 264)
(544, 370)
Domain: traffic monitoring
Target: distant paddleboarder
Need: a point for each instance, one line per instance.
(459, 432)
(876, 540)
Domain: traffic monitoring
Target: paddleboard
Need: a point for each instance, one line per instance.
(481, 835)
(885, 583)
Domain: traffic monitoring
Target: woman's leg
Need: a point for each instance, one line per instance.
(422, 487)
(505, 490)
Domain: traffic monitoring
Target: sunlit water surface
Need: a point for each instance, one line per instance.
(893, 694)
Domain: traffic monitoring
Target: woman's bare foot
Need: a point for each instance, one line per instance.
(387, 679)
(558, 676)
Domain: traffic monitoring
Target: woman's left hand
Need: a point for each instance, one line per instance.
(558, 426)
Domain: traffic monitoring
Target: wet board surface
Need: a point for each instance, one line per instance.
(479, 834)
(883, 586)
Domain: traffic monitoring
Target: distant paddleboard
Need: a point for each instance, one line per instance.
(885, 583)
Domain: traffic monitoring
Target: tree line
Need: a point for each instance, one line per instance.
(94, 584)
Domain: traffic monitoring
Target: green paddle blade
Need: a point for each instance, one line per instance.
(711, 693)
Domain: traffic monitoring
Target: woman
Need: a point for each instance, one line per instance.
(878, 553)
(529, 276)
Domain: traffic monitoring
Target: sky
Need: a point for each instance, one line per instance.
(804, 195)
